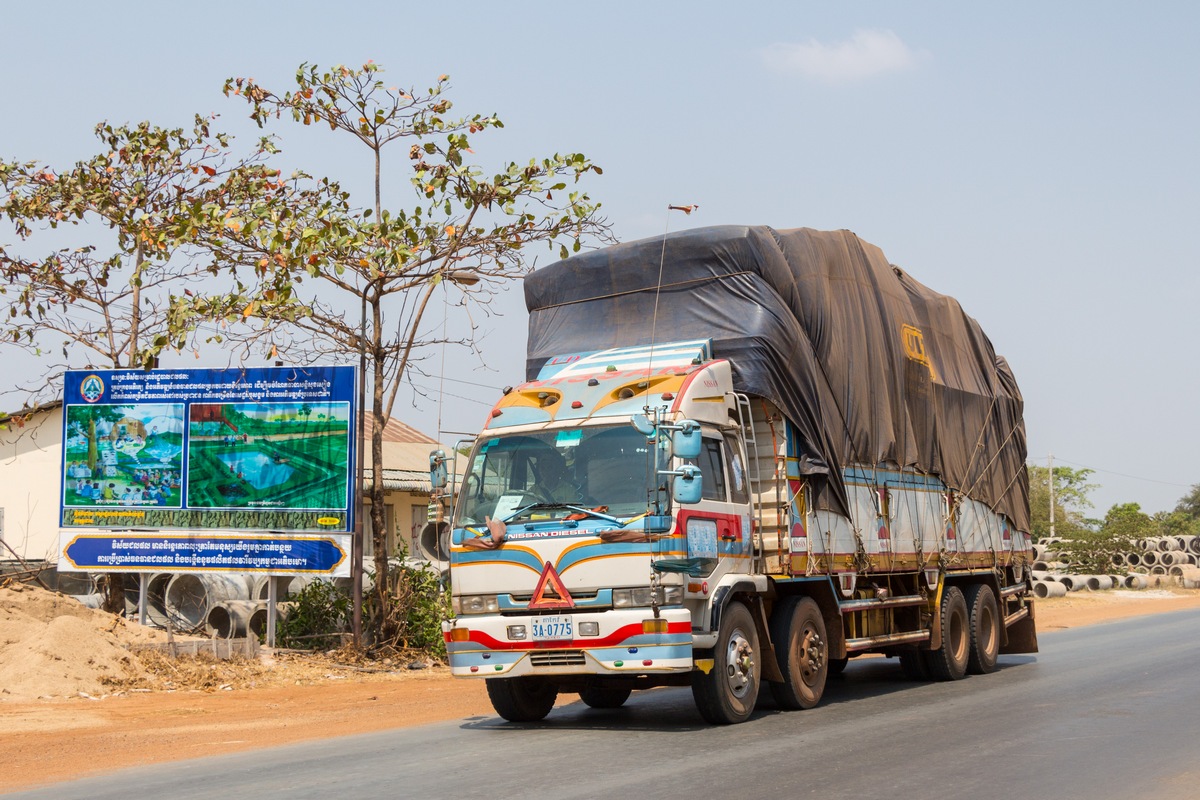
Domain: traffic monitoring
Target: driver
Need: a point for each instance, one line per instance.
(554, 480)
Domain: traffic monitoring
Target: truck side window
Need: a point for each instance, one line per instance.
(711, 463)
(739, 489)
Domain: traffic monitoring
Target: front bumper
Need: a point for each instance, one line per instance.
(621, 648)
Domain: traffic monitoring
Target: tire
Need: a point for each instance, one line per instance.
(915, 664)
(837, 666)
(984, 617)
(727, 693)
(802, 650)
(949, 661)
(605, 696)
(522, 699)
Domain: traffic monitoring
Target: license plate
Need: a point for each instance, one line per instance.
(550, 628)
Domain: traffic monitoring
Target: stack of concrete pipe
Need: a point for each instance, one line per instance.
(224, 605)
(1157, 561)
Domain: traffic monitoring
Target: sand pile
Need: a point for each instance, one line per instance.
(52, 645)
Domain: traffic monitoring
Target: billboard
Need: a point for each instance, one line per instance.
(247, 449)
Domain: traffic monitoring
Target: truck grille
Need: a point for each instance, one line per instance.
(557, 658)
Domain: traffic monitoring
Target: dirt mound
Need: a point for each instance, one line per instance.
(52, 645)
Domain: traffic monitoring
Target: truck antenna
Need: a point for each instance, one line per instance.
(662, 257)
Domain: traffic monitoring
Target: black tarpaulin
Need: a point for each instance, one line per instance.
(871, 367)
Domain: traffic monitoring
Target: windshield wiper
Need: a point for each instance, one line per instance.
(570, 507)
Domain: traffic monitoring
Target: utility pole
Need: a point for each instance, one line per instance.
(1050, 458)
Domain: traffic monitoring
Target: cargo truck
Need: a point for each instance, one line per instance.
(741, 457)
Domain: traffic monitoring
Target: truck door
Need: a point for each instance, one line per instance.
(716, 531)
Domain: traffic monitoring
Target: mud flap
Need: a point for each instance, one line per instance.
(766, 648)
(1021, 635)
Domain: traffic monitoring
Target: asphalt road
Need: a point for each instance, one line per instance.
(1106, 711)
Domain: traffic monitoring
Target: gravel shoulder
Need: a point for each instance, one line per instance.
(288, 699)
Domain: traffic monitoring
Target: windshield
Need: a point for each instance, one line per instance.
(611, 466)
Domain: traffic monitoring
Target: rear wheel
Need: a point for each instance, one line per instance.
(521, 699)
(984, 629)
(802, 650)
(604, 696)
(726, 694)
(949, 662)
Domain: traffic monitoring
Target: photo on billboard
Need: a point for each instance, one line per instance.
(123, 455)
(268, 455)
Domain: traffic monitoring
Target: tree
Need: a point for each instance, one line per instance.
(1189, 504)
(327, 271)
(1090, 552)
(108, 305)
(1071, 489)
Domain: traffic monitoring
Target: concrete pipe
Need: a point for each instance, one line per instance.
(1041, 566)
(433, 544)
(1041, 575)
(190, 597)
(1132, 559)
(1099, 583)
(1049, 589)
(1134, 581)
(1118, 559)
(1165, 544)
(93, 600)
(291, 587)
(1150, 558)
(257, 624)
(1158, 569)
(229, 619)
(1190, 583)
(1194, 545)
(1074, 583)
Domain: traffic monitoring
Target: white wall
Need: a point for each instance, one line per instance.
(30, 482)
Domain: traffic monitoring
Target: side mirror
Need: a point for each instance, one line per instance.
(685, 440)
(437, 470)
(687, 485)
(642, 424)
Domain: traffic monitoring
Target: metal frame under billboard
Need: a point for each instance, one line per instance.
(247, 449)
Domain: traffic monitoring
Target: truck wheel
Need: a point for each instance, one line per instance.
(728, 692)
(802, 650)
(984, 627)
(604, 696)
(949, 661)
(837, 666)
(521, 699)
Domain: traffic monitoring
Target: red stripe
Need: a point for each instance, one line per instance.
(614, 638)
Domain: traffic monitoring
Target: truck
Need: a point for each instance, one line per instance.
(741, 457)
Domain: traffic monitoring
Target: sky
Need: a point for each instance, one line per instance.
(1037, 161)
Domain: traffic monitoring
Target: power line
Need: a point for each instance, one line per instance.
(1124, 475)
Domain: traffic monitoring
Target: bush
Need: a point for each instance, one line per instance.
(416, 602)
(318, 617)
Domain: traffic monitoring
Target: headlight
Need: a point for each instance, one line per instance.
(643, 597)
(475, 604)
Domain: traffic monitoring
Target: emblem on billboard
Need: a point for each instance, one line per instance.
(92, 388)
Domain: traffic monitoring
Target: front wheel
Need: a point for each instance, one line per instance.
(726, 694)
(802, 650)
(521, 699)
